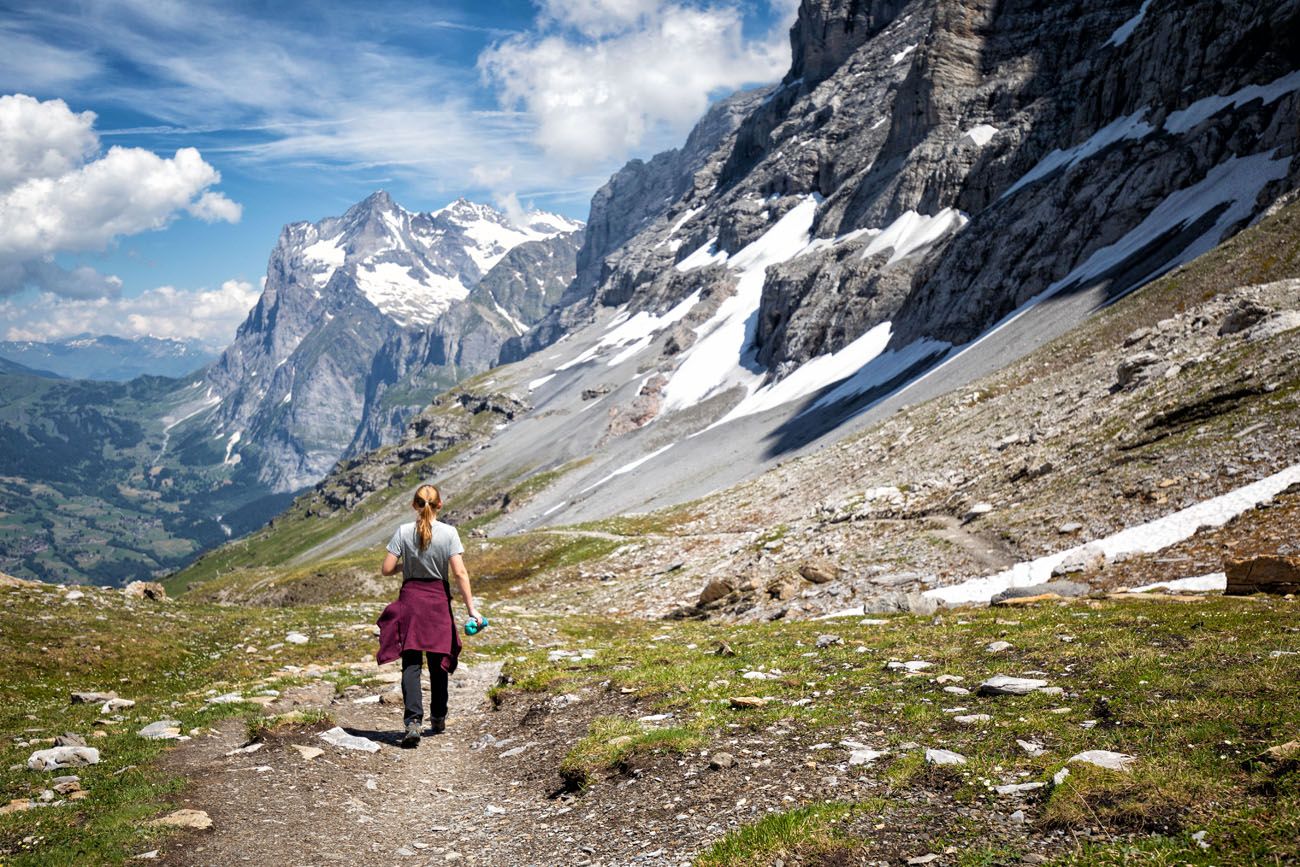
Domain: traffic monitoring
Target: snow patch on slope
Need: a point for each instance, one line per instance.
(1125, 30)
(721, 357)
(1142, 539)
(912, 232)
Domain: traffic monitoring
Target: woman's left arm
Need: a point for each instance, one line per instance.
(462, 581)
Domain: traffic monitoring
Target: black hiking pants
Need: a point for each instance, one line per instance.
(413, 695)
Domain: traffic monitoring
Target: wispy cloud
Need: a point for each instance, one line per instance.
(570, 92)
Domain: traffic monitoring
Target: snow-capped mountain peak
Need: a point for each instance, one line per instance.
(413, 266)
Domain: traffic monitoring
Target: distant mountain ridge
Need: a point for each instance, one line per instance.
(366, 316)
(109, 357)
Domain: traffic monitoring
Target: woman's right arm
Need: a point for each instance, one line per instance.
(393, 562)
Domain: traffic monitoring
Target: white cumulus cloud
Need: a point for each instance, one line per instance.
(208, 315)
(601, 77)
(58, 194)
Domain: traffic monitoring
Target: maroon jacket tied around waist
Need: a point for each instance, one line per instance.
(420, 619)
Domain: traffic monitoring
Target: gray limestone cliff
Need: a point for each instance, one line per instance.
(365, 317)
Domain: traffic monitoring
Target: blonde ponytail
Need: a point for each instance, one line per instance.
(428, 501)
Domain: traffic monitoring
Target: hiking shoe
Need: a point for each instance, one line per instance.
(412, 736)
(437, 725)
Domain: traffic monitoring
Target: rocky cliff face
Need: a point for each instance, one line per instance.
(366, 316)
(930, 167)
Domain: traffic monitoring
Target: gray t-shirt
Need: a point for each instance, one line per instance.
(431, 564)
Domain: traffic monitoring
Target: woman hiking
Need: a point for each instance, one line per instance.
(420, 622)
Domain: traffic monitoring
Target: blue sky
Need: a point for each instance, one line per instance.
(303, 109)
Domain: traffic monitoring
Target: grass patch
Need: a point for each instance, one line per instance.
(500, 565)
(169, 658)
(611, 742)
(1192, 690)
(289, 724)
(808, 833)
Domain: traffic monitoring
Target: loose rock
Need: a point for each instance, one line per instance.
(1001, 684)
(943, 757)
(1105, 759)
(198, 820)
(163, 729)
(62, 757)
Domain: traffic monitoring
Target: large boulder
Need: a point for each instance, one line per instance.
(1267, 573)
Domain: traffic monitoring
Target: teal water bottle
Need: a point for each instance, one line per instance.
(473, 627)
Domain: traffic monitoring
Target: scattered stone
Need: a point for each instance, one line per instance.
(746, 702)
(724, 649)
(972, 719)
(1105, 759)
(949, 678)
(1266, 573)
(1017, 788)
(923, 859)
(17, 805)
(340, 738)
(494, 810)
(1050, 589)
(865, 756)
(1088, 559)
(66, 784)
(620, 741)
(783, 588)
(1017, 818)
(113, 705)
(999, 646)
(1060, 776)
(943, 757)
(228, 698)
(69, 739)
(296, 638)
(894, 601)
(912, 665)
(1245, 313)
(819, 571)
(1001, 684)
(828, 640)
(1278, 323)
(92, 697)
(308, 753)
(1134, 368)
(721, 761)
(956, 690)
(74, 595)
(1031, 749)
(163, 729)
(144, 590)
(62, 757)
(1069, 528)
(198, 820)
(714, 590)
(1199, 838)
(976, 511)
